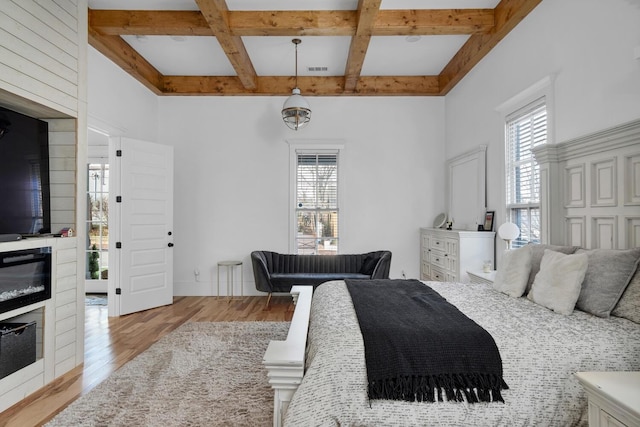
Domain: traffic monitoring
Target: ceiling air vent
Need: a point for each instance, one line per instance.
(317, 69)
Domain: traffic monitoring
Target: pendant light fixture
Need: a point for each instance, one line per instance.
(295, 111)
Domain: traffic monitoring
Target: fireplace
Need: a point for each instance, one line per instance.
(25, 277)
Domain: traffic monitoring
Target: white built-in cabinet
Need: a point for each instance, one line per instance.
(43, 75)
(57, 322)
(446, 255)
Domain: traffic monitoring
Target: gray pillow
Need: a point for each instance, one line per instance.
(537, 251)
(629, 305)
(608, 274)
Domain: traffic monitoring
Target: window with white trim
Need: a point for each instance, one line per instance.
(316, 202)
(525, 129)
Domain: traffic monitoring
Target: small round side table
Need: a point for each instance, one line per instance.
(230, 267)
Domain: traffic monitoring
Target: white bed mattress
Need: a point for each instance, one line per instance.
(540, 350)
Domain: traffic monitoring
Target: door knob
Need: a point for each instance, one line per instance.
(170, 245)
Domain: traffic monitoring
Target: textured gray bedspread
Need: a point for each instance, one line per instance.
(540, 350)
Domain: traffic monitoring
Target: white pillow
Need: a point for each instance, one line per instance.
(513, 272)
(557, 284)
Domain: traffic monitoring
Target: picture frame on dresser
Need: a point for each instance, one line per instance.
(488, 221)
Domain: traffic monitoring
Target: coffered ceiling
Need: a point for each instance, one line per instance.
(349, 47)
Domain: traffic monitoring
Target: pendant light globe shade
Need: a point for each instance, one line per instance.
(295, 111)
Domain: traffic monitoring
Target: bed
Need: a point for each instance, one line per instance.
(319, 373)
(540, 350)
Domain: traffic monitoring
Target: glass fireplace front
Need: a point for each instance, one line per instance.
(25, 277)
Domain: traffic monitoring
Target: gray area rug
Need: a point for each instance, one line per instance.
(201, 374)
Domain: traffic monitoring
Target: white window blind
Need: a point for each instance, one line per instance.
(316, 201)
(525, 129)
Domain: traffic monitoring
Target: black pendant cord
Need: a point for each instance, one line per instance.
(296, 42)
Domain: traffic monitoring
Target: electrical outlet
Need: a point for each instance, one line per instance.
(404, 276)
(196, 273)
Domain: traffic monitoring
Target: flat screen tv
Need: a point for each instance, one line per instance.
(24, 175)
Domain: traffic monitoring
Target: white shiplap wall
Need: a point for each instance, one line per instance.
(39, 52)
(43, 53)
(62, 172)
(66, 306)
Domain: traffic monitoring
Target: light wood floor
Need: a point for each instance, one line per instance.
(112, 342)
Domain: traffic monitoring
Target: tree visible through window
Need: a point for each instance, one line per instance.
(97, 221)
(317, 203)
(525, 129)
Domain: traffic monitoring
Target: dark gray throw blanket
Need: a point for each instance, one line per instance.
(417, 344)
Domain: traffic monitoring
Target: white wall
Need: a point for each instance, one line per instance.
(586, 46)
(232, 177)
(117, 103)
(232, 169)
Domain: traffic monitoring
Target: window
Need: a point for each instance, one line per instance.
(97, 221)
(316, 202)
(525, 129)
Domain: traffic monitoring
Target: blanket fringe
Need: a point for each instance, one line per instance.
(471, 387)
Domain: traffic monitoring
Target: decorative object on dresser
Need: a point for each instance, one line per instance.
(446, 255)
(508, 232)
(614, 397)
(440, 220)
(488, 221)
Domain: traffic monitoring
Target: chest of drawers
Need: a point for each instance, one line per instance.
(446, 255)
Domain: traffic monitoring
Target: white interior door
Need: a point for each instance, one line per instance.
(141, 246)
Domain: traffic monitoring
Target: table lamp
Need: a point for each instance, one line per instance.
(508, 232)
